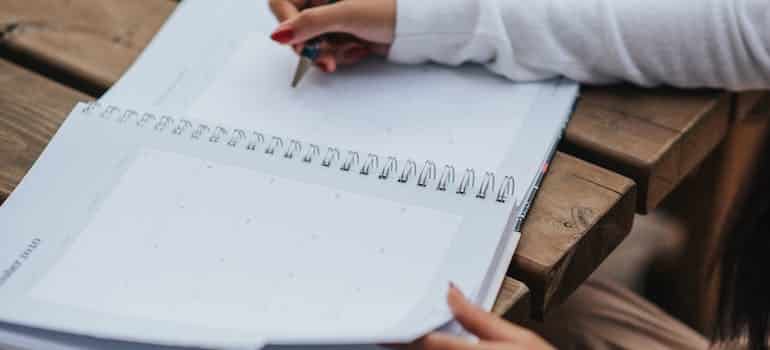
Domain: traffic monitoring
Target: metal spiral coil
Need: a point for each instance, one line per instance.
(312, 153)
(332, 154)
(255, 140)
(409, 170)
(350, 162)
(447, 178)
(428, 175)
(236, 138)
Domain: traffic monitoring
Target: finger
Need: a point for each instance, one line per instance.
(351, 52)
(435, 342)
(323, 56)
(483, 324)
(379, 49)
(440, 341)
(316, 21)
(326, 62)
(321, 52)
(284, 9)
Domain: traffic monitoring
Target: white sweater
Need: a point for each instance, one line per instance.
(684, 43)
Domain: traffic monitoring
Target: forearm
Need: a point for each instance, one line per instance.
(705, 43)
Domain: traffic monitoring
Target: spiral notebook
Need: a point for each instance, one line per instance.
(202, 202)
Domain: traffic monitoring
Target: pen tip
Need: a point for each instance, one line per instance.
(302, 67)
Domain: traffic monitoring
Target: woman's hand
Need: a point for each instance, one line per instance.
(357, 28)
(493, 332)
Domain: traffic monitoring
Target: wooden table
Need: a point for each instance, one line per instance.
(630, 147)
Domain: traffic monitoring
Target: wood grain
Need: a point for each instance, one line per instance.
(31, 109)
(655, 136)
(581, 213)
(95, 40)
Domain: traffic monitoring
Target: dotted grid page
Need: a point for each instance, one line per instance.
(466, 117)
(186, 240)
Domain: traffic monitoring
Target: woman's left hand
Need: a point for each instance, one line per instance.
(493, 332)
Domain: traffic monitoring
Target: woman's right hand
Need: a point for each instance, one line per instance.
(493, 332)
(369, 25)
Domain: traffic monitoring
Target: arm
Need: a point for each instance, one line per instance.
(685, 43)
(707, 43)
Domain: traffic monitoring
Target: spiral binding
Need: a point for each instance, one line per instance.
(426, 177)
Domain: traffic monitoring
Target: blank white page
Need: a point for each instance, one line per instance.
(465, 116)
(190, 241)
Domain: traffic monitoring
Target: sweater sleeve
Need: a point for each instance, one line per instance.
(684, 43)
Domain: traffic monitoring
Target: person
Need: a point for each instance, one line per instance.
(705, 43)
(689, 44)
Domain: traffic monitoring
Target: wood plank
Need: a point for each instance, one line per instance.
(580, 214)
(31, 110)
(655, 136)
(95, 40)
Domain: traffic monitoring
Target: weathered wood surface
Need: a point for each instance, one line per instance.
(95, 40)
(656, 137)
(580, 213)
(31, 109)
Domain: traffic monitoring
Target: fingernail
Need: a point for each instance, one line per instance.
(453, 296)
(454, 290)
(282, 36)
(356, 53)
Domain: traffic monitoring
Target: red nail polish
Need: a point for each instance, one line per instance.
(357, 53)
(283, 36)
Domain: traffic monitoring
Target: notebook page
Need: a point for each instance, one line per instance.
(226, 246)
(86, 186)
(232, 73)
(461, 116)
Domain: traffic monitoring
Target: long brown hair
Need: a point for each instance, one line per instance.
(744, 293)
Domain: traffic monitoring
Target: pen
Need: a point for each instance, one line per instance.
(310, 52)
